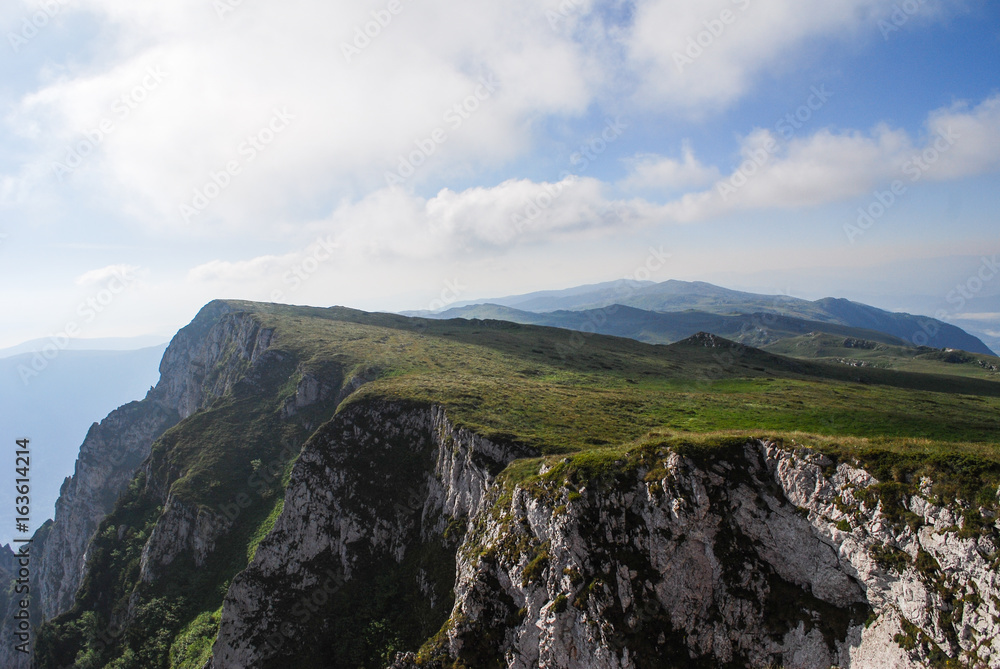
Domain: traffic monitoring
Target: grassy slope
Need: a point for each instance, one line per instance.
(655, 327)
(554, 390)
(563, 392)
(838, 350)
(675, 296)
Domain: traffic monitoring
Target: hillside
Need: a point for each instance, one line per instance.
(653, 327)
(303, 485)
(829, 342)
(866, 353)
(680, 296)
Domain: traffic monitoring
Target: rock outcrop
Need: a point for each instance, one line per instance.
(381, 493)
(202, 362)
(763, 557)
(396, 540)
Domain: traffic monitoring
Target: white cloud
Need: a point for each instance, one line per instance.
(99, 276)
(651, 172)
(702, 54)
(392, 222)
(224, 271)
(807, 172)
(352, 120)
(224, 76)
(158, 146)
(977, 132)
(830, 167)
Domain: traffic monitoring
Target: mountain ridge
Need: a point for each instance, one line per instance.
(365, 451)
(678, 296)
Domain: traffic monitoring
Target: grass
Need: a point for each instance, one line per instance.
(590, 407)
(924, 360)
(193, 646)
(529, 384)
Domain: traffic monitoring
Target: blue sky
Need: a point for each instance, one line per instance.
(517, 189)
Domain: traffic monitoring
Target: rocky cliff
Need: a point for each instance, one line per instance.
(757, 556)
(276, 501)
(372, 517)
(201, 363)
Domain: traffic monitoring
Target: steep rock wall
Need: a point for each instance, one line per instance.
(202, 362)
(382, 492)
(766, 556)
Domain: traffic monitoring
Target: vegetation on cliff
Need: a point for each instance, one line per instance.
(603, 401)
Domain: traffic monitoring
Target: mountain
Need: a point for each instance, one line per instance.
(331, 488)
(674, 296)
(82, 344)
(655, 327)
(54, 403)
(570, 298)
(866, 353)
(987, 331)
(989, 337)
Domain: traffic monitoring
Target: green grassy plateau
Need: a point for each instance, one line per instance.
(594, 398)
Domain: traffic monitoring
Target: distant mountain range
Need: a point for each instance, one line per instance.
(673, 310)
(56, 408)
(81, 344)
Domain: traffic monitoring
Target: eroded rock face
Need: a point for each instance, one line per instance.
(768, 556)
(107, 462)
(372, 497)
(758, 555)
(202, 362)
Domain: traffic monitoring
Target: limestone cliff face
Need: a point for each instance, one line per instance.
(233, 352)
(202, 362)
(107, 462)
(372, 497)
(767, 557)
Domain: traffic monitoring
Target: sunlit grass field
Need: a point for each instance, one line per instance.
(561, 392)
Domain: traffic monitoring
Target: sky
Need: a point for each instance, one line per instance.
(407, 154)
